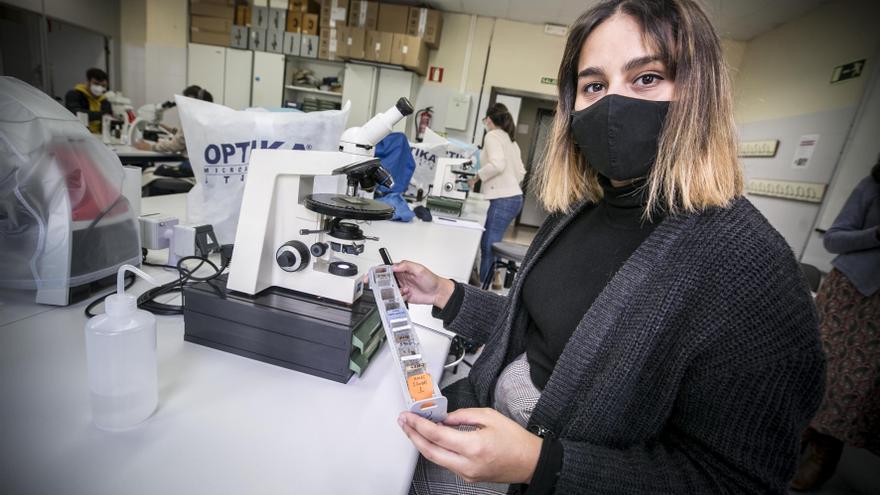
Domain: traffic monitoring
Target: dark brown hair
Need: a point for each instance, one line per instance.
(696, 163)
(500, 116)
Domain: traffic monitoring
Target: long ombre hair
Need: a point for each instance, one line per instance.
(696, 164)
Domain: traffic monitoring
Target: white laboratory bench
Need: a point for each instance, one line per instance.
(225, 424)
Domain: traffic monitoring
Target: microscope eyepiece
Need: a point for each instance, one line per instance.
(404, 106)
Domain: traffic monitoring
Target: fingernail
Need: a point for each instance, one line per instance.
(400, 421)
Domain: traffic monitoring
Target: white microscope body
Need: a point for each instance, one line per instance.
(450, 177)
(282, 241)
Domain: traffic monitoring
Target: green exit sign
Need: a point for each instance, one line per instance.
(548, 80)
(847, 71)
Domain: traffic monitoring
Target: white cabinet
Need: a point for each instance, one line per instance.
(237, 78)
(268, 80)
(359, 87)
(205, 67)
(394, 83)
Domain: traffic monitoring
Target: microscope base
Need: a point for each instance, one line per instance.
(285, 328)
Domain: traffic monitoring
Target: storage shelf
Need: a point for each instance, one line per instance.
(306, 89)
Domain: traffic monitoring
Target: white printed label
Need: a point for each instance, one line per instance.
(333, 44)
(348, 42)
(338, 14)
(362, 16)
(378, 46)
(404, 49)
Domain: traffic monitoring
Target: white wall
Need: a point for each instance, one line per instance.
(782, 91)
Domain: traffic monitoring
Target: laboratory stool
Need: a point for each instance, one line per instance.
(507, 255)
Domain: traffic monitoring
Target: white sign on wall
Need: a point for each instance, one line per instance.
(806, 146)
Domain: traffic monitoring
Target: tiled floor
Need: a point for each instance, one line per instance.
(857, 474)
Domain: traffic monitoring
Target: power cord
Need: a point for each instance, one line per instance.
(186, 276)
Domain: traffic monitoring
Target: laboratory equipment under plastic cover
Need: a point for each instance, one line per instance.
(65, 226)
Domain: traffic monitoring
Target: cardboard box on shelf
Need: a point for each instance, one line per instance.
(292, 43)
(378, 46)
(212, 9)
(260, 17)
(309, 46)
(277, 19)
(328, 44)
(274, 40)
(215, 24)
(310, 24)
(410, 52)
(334, 13)
(392, 18)
(294, 21)
(425, 23)
(257, 39)
(363, 14)
(238, 37)
(242, 15)
(208, 37)
(352, 43)
(305, 6)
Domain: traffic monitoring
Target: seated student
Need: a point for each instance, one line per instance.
(176, 143)
(88, 97)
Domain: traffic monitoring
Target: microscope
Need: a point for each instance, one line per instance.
(450, 187)
(293, 296)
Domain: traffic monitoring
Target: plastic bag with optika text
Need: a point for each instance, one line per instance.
(219, 141)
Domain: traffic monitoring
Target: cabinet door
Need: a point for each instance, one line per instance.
(237, 83)
(360, 89)
(268, 80)
(394, 83)
(205, 67)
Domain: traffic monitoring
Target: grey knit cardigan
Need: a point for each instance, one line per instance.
(694, 371)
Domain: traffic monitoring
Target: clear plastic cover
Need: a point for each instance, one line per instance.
(63, 219)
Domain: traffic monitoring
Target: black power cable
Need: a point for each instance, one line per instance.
(186, 276)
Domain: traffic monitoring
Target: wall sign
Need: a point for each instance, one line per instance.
(806, 146)
(548, 80)
(847, 71)
(435, 74)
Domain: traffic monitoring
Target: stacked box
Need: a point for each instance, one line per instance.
(277, 19)
(426, 24)
(352, 42)
(274, 41)
(334, 13)
(410, 52)
(257, 39)
(328, 44)
(211, 21)
(377, 47)
(260, 17)
(239, 37)
(292, 43)
(392, 18)
(309, 46)
(294, 21)
(310, 24)
(363, 14)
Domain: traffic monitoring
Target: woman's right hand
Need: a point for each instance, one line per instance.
(419, 285)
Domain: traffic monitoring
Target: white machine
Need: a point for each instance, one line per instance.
(451, 176)
(146, 125)
(115, 128)
(293, 232)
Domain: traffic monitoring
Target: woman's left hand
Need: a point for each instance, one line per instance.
(499, 450)
(472, 182)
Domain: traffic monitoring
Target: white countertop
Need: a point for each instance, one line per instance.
(225, 424)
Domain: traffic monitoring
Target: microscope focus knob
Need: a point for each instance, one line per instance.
(292, 256)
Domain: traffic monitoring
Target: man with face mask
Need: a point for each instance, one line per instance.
(89, 97)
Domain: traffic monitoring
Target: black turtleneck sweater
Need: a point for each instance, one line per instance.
(576, 267)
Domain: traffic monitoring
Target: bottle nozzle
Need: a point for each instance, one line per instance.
(120, 278)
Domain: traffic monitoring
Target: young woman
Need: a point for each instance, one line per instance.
(501, 171)
(659, 337)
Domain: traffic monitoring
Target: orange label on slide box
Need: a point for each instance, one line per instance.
(420, 386)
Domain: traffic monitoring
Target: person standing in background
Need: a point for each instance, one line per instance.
(89, 98)
(501, 172)
(849, 310)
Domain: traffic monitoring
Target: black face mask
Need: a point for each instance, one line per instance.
(619, 136)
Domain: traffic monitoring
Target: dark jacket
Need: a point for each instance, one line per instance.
(694, 371)
(80, 99)
(854, 237)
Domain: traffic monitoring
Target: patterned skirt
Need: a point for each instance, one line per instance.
(850, 331)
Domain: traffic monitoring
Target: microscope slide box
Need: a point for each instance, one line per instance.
(278, 326)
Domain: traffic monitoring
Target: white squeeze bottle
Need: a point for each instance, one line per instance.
(121, 355)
